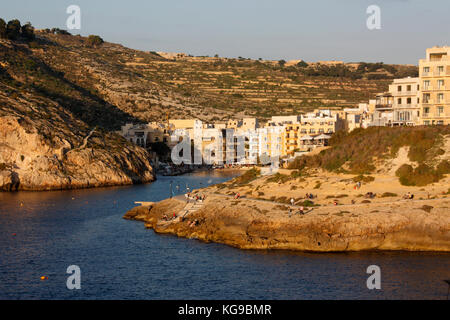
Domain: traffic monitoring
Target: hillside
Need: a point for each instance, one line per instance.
(54, 134)
(421, 154)
(146, 85)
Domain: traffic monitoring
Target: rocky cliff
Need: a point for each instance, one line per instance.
(55, 134)
(32, 158)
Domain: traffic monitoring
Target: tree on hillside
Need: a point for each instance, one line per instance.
(94, 41)
(282, 62)
(60, 31)
(302, 64)
(28, 31)
(13, 29)
(2, 29)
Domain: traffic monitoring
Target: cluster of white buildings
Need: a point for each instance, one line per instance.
(424, 100)
(243, 141)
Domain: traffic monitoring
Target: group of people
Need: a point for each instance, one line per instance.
(408, 196)
(165, 217)
(310, 196)
(300, 211)
(358, 185)
(369, 195)
(195, 197)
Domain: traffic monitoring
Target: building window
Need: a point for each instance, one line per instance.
(426, 98)
(440, 70)
(399, 101)
(426, 111)
(408, 87)
(426, 70)
(440, 122)
(440, 98)
(408, 101)
(399, 88)
(440, 111)
(440, 84)
(426, 122)
(426, 84)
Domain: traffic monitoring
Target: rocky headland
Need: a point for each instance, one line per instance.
(422, 225)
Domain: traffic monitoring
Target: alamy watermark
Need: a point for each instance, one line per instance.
(73, 22)
(374, 20)
(74, 280)
(374, 281)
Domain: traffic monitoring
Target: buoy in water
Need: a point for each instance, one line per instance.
(44, 278)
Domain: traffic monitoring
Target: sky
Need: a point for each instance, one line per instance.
(269, 29)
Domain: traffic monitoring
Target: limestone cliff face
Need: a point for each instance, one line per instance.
(36, 154)
(324, 230)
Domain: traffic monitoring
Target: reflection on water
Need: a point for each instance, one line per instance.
(121, 259)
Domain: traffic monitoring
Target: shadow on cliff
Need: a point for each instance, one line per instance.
(82, 102)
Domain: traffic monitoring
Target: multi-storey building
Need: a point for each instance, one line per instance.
(145, 134)
(383, 114)
(270, 142)
(313, 130)
(434, 75)
(405, 105)
(358, 117)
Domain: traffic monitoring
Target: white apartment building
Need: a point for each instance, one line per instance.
(406, 101)
(434, 75)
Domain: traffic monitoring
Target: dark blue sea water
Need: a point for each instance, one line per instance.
(120, 259)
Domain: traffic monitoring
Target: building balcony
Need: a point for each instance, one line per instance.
(383, 106)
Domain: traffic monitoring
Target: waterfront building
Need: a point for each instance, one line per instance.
(145, 134)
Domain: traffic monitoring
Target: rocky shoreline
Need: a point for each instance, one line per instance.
(422, 225)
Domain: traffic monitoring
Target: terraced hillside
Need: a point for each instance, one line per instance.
(146, 85)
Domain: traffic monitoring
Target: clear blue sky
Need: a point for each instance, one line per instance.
(269, 29)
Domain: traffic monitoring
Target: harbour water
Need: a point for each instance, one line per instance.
(42, 233)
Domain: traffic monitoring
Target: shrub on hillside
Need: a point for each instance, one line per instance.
(27, 31)
(389, 194)
(278, 177)
(359, 148)
(94, 41)
(443, 167)
(422, 175)
(2, 29)
(363, 178)
(248, 176)
(13, 29)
